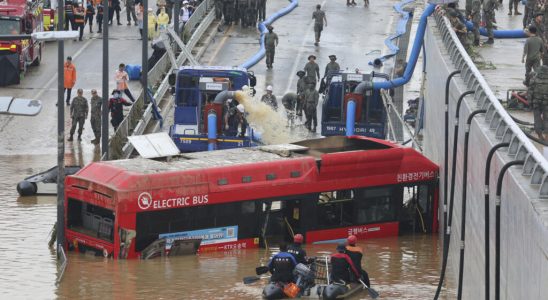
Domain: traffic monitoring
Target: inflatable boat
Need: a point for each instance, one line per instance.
(44, 183)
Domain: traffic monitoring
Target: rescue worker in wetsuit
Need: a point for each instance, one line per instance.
(296, 249)
(281, 266)
(356, 254)
(343, 269)
(538, 96)
(301, 87)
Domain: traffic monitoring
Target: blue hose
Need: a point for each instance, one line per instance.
(262, 28)
(211, 131)
(499, 34)
(350, 117)
(417, 45)
(400, 30)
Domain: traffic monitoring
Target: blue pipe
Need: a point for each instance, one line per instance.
(417, 44)
(211, 131)
(350, 117)
(499, 34)
(400, 30)
(262, 28)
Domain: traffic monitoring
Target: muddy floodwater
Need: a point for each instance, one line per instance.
(404, 267)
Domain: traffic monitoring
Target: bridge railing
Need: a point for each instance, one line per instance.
(140, 113)
(506, 130)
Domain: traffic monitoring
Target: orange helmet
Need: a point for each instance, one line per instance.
(352, 240)
(298, 238)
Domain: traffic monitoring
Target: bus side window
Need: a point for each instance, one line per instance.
(335, 208)
(375, 205)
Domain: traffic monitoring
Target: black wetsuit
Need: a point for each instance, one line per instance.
(343, 268)
(281, 266)
(298, 253)
(356, 255)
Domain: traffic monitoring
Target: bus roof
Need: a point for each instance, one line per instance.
(319, 159)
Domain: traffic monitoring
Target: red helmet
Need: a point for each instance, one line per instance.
(352, 240)
(298, 238)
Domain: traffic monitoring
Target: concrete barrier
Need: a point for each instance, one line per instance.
(524, 208)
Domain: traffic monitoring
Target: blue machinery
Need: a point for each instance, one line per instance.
(351, 105)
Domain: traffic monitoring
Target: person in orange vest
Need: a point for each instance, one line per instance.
(70, 77)
(80, 20)
(122, 78)
(356, 254)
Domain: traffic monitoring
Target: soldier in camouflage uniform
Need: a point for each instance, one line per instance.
(251, 13)
(528, 12)
(468, 8)
(489, 7)
(241, 8)
(311, 99)
(229, 11)
(79, 113)
(475, 15)
(96, 104)
(218, 9)
(261, 10)
(513, 3)
(270, 43)
(538, 96)
(301, 87)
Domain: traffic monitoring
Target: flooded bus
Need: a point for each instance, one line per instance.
(247, 197)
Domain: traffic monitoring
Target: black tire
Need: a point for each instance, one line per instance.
(38, 59)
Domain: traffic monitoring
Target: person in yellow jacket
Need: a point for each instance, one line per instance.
(163, 19)
(152, 24)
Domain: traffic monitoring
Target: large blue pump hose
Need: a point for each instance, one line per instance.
(262, 28)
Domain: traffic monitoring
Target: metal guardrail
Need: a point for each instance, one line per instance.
(506, 130)
(141, 113)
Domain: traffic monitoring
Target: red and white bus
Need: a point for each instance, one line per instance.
(246, 197)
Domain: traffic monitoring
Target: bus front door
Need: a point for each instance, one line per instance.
(281, 221)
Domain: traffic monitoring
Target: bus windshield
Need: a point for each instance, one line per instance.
(9, 26)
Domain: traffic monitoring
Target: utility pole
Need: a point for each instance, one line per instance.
(60, 131)
(144, 62)
(105, 94)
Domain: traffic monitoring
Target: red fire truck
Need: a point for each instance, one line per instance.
(19, 17)
(241, 198)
